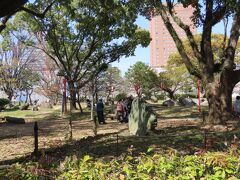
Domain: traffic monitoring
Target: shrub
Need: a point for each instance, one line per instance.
(149, 165)
(3, 103)
(120, 96)
(161, 96)
(152, 165)
(190, 95)
(16, 107)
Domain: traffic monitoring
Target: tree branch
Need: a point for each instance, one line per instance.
(229, 53)
(91, 49)
(3, 23)
(192, 70)
(188, 32)
(206, 46)
(225, 22)
(218, 15)
(39, 15)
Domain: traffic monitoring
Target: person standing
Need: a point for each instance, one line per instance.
(129, 103)
(127, 108)
(120, 110)
(100, 114)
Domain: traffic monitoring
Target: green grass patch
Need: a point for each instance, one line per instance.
(178, 111)
(42, 113)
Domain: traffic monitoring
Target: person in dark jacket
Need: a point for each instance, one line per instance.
(88, 104)
(100, 114)
(127, 108)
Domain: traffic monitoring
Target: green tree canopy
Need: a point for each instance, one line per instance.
(176, 65)
(141, 75)
(173, 79)
(217, 72)
(83, 37)
(111, 81)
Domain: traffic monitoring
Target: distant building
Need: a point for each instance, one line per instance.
(162, 44)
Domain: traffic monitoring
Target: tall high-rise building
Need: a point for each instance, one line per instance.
(162, 44)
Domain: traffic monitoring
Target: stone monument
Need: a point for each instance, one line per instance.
(141, 118)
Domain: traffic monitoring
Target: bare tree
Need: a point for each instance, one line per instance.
(50, 84)
(14, 60)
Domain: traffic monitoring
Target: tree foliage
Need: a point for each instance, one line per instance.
(218, 73)
(28, 80)
(9, 8)
(109, 82)
(50, 85)
(176, 75)
(174, 78)
(141, 75)
(83, 37)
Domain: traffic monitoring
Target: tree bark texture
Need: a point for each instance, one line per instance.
(79, 102)
(72, 92)
(220, 78)
(219, 96)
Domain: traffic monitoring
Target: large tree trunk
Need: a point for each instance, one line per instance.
(169, 91)
(72, 93)
(92, 106)
(30, 96)
(96, 96)
(79, 102)
(27, 95)
(9, 96)
(219, 96)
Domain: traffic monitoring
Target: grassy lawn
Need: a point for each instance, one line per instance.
(178, 112)
(162, 111)
(42, 113)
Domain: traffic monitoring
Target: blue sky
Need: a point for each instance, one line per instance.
(143, 54)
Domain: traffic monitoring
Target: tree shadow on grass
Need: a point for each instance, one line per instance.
(76, 116)
(80, 147)
(176, 112)
(49, 125)
(178, 130)
(111, 145)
